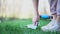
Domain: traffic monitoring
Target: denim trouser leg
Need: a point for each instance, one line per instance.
(53, 6)
(58, 8)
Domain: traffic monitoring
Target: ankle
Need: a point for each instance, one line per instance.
(36, 23)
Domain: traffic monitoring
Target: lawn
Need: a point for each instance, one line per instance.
(18, 26)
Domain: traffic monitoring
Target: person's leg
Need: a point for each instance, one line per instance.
(53, 7)
(35, 19)
(36, 13)
(50, 26)
(58, 20)
(58, 10)
(58, 13)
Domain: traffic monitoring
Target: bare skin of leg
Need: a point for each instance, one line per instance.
(54, 17)
(58, 19)
(36, 16)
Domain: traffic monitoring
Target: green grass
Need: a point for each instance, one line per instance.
(18, 26)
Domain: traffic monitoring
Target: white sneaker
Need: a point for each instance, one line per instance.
(51, 23)
(59, 28)
(32, 26)
(52, 26)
